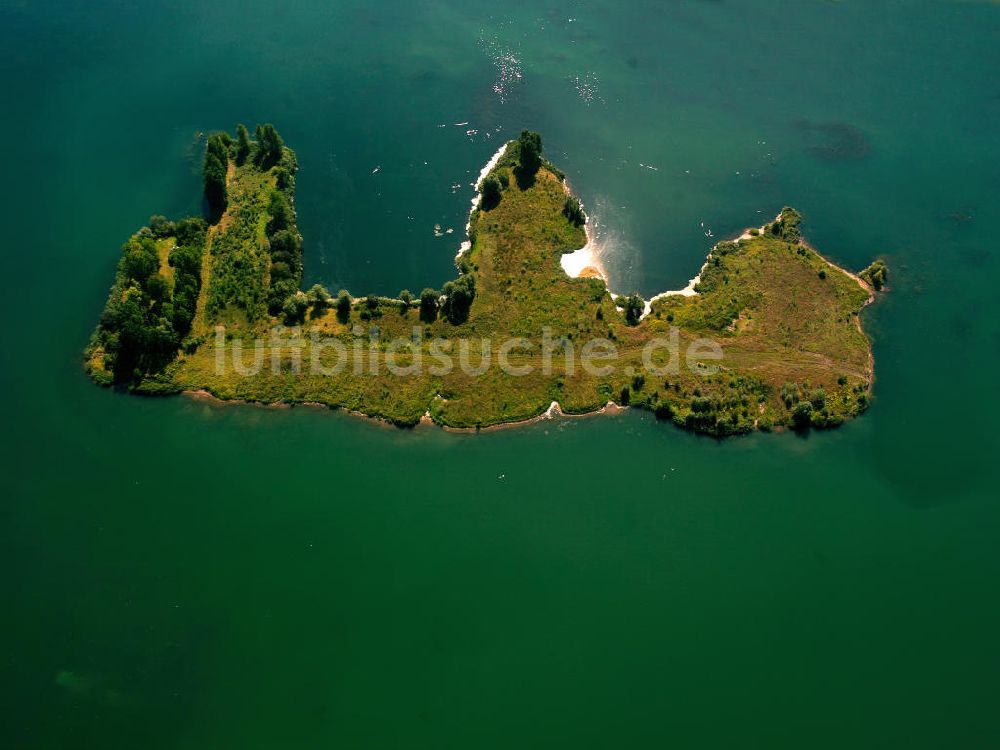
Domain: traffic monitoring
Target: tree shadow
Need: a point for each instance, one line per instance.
(525, 177)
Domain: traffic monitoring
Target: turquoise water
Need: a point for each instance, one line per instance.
(179, 575)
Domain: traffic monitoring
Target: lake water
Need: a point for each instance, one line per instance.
(181, 575)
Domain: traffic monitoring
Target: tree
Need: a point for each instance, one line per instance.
(459, 295)
(157, 287)
(491, 192)
(140, 260)
(214, 171)
(191, 231)
(281, 212)
(161, 227)
(634, 307)
(531, 152)
(214, 179)
(343, 305)
(270, 147)
(786, 226)
(817, 398)
(877, 274)
(242, 144)
(802, 415)
(428, 305)
(319, 297)
(295, 308)
(280, 271)
(405, 299)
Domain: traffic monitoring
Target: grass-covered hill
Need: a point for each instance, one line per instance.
(216, 306)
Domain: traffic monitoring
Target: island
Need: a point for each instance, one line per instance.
(767, 336)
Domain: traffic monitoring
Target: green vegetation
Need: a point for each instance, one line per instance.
(574, 210)
(785, 321)
(491, 192)
(633, 306)
(214, 171)
(152, 302)
(877, 274)
(530, 155)
(243, 145)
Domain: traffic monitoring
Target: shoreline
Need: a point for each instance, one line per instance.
(553, 411)
(575, 269)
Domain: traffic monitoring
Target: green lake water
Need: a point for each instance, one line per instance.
(186, 576)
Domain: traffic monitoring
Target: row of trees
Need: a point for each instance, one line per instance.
(453, 302)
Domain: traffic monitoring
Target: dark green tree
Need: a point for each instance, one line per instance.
(405, 299)
(634, 306)
(280, 211)
(270, 147)
(802, 415)
(294, 308)
(530, 144)
(242, 144)
(161, 227)
(140, 260)
(319, 298)
(459, 295)
(491, 192)
(877, 274)
(428, 305)
(214, 172)
(343, 306)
